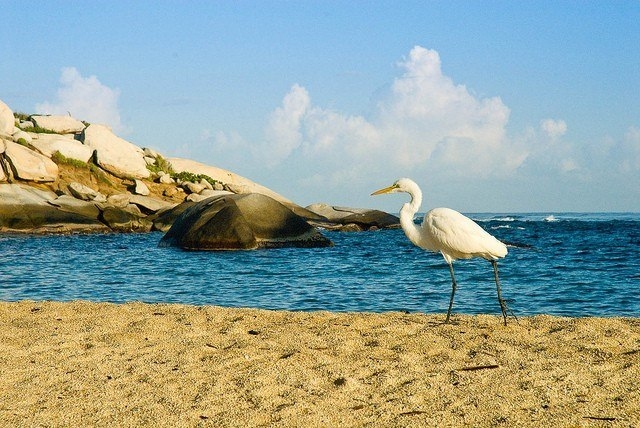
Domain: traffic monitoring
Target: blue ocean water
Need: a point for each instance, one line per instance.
(560, 264)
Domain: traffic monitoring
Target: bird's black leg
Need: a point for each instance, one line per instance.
(453, 292)
(503, 305)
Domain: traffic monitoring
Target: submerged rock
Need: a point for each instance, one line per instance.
(352, 219)
(247, 221)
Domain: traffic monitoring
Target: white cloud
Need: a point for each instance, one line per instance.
(425, 123)
(554, 128)
(283, 133)
(430, 128)
(85, 98)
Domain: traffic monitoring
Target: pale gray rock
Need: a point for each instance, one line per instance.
(150, 153)
(58, 123)
(85, 193)
(7, 121)
(165, 178)
(26, 124)
(120, 200)
(48, 144)
(206, 184)
(28, 165)
(114, 154)
(150, 204)
(206, 194)
(193, 187)
(139, 188)
(195, 197)
(241, 222)
(209, 193)
(149, 160)
(20, 134)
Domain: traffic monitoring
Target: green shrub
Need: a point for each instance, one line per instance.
(59, 158)
(22, 142)
(161, 164)
(194, 178)
(39, 130)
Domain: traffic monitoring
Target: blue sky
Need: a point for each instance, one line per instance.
(489, 106)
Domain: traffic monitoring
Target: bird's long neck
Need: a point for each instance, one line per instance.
(407, 213)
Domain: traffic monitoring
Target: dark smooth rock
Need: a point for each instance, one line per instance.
(247, 221)
(351, 219)
(24, 209)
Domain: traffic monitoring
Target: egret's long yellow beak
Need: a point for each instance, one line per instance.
(385, 190)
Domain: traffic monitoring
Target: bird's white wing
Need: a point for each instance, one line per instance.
(459, 237)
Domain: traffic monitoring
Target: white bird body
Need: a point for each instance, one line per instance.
(448, 232)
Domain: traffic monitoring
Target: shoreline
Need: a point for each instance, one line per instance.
(81, 363)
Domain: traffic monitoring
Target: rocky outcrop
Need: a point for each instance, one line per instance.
(98, 181)
(125, 219)
(114, 154)
(26, 209)
(6, 120)
(58, 124)
(233, 182)
(66, 145)
(351, 219)
(241, 222)
(29, 165)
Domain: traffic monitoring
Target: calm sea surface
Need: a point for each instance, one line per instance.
(561, 264)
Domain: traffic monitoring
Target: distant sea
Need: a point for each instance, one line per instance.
(558, 263)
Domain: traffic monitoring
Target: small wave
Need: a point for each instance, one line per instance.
(503, 226)
(550, 218)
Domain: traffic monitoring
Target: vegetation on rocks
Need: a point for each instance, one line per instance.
(161, 165)
(194, 178)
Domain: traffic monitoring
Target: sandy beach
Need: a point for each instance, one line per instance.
(88, 364)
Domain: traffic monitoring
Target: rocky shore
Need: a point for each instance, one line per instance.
(61, 175)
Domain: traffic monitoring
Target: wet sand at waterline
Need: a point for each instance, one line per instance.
(100, 364)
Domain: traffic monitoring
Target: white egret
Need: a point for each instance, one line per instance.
(448, 232)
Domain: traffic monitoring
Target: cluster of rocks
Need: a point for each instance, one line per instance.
(216, 210)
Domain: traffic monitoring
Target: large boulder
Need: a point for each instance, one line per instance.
(28, 165)
(48, 144)
(247, 221)
(114, 154)
(60, 124)
(164, 218)
(352, 219)
(28, 210)
(7, 121)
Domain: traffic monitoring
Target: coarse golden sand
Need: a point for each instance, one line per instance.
(100, 364)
